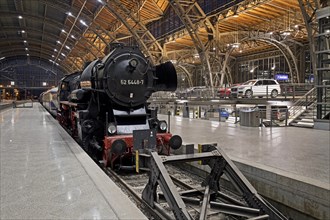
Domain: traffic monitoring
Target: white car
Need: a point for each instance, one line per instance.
(257, 87)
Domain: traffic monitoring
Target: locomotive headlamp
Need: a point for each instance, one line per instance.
(162, 125)
(112, 129)
(133, 63)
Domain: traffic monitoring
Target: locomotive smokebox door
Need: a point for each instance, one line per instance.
(144, 139)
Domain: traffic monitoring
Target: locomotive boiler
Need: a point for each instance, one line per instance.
(107, 102)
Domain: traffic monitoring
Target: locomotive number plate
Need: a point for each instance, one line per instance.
(131, 82)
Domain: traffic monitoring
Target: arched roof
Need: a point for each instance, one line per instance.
(68, 33)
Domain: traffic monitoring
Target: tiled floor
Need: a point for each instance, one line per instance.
(45, 175)
(300, 151)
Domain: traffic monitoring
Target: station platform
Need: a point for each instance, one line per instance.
(46, 175)
(289, 165)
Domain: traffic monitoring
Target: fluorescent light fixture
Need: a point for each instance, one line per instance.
(2, 58)
(56, 64)
(53, 56)
(20, 17)
(26, 48)
(27, 54)
(273, 67)
(67, 47)
(327, 31)
(271, 33)
(44, 84)
(12, 83)
(59, 42)
(55, 50)
(22, 31)
(70, 14)
(296, 26)
(59, 59)
(72, 36)
(25, 41)
(63, 31)
(63, 54)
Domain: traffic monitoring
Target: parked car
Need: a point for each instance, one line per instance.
(257, 87)
(225, 91)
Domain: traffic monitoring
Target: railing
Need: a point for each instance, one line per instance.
(302, 104)
(288, 92)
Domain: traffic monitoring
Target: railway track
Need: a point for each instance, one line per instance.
(134, 184)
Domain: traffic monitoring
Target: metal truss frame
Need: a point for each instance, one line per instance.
(193, 17)
(308, 9)
(133, 23)
(254, 206)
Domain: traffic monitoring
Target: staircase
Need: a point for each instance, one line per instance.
(303, 112)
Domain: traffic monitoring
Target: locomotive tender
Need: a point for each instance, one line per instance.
(106, 103)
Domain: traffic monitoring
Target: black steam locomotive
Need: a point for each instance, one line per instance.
(106, 103)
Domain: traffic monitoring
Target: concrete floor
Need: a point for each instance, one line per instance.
(302, 152)
(44, 174)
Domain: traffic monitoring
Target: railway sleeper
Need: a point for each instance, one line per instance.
(209, 197)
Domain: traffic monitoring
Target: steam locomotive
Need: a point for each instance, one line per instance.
(107, 102)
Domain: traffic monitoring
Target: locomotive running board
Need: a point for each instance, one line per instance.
(253, 205)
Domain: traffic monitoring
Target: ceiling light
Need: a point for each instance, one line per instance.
(240, 51)
(59, 42)
(273, 67)
(26, 48)
(70, 14)
(296, 26)
(2, 58)
(327, 31)
(63, 54)
(63, 31)
(22, 31)
(27, 54)
(236, 45)
(51, 61)
(235, 16)
(53, 56)
(67, 47)
(72, 36)
(82, 22)
(20, 17)
(25, 41)
(59, 59)
(270, 33)
(55, 50)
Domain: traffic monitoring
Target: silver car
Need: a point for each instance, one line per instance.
(257, 87)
